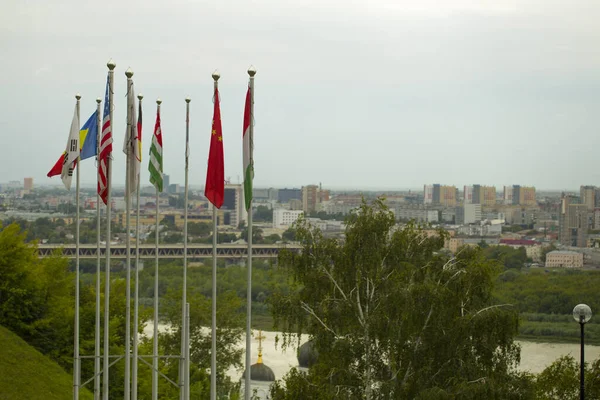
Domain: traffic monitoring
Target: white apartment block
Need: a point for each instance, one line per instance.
(283, 219)
(567, 259)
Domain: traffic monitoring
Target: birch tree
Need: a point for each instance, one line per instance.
(393, 317)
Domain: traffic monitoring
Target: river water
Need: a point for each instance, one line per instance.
(535, 356)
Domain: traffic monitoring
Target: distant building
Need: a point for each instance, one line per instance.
(527, 196)
(468, 214)
(173, 188)
(565, 259)
(448, 196)
(310, 198)
(283, 219)
(573, 222)
(587, 195)
(468, 194)
(285, 195)
(428, 194)
(28, 183)
(508, 195)
(233, 202)
(417, 213)
(166, 181)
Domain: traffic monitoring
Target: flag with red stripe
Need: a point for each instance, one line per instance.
(105, 150)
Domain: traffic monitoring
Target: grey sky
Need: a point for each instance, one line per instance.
(354, 94)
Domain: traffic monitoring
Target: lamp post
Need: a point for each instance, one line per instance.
(582, 314)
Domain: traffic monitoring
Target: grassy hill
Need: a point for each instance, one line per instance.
(27, 374)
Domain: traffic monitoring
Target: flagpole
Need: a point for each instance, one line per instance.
(129, 166)
(134, 368)
(213, 358)
(247, 388)
(97, 335)
(111, 75)
(186, 394)
(76, 366)
(155, 337)
(184, 379)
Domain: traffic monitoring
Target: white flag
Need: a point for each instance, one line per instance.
(131, 146)
(71, 152)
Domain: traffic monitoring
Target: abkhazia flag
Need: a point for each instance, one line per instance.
(87, 142)
(130, 145)
(69, 157)
(155, 165)
(248, 160)
(214, 189)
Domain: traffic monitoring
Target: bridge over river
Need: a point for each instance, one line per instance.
(229, 251)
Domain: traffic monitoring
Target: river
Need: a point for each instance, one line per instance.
(535, 356)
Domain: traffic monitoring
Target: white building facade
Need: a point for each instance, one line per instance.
(283, 219)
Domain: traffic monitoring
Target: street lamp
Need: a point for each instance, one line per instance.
(582, 314)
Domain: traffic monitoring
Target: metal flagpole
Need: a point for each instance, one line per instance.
(111, 75)
(247, 388)
(129, 167)
(76, 360)
(155, 337)
(213, 358)
(183, 378)
(134, 367)
(186, 387)
(97, 335)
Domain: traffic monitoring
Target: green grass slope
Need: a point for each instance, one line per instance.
(27, 374)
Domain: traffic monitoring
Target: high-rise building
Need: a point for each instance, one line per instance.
(233, 202)
(527, 196)
(436, 193)
(476, 194)
(573, 222)
(447, 196)
(428, 194)
(310, 198)
(166, 181)
(28, 183)
(588, 196)
(468, 214)
(484, 195)
(516, 194)
(468, 194)
(508, 195)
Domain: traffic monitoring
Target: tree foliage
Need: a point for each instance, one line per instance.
(392, 318)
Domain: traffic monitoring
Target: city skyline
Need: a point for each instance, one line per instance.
(382, 94)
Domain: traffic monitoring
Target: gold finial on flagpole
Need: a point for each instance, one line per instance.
(111, 64)
(252, 71)
(158, 101)
(140, 96)
(188, 99)
(78, 96)
(98, 100)
(216, 75)
(129, 73)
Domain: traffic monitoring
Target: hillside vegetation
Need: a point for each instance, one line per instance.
(27, 374)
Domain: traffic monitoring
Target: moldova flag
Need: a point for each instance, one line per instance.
(88, 137)
(88, 141)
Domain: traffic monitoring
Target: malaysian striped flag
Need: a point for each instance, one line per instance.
(105, 148)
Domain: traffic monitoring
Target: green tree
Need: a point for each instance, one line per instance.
(263, 214)
(560, 380)
(391, 318)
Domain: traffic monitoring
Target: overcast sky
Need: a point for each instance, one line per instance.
(353, 94)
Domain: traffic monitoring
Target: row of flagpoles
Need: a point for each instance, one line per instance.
(91, 141)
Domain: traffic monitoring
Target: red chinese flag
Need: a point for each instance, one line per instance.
(215, 175)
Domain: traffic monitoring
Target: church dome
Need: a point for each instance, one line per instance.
(260, 372)
(307, 355)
